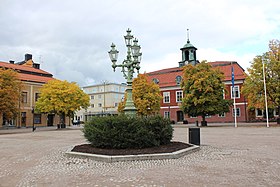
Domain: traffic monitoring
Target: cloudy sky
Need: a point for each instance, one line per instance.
(71, 38)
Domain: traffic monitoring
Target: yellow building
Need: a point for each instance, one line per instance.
(32, 78)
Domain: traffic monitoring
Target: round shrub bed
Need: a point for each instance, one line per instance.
(120, 132)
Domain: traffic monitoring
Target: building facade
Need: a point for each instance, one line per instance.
(32, 78)
(169, 81)
(104, 100)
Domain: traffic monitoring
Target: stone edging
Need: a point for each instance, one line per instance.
(117, 158)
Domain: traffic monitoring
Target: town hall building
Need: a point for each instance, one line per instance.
(169, 81)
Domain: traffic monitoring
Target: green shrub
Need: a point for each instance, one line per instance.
(126, 132)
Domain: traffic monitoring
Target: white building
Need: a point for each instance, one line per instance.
(104, 100)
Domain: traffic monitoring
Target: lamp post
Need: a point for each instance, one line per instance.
(128, 65)
(265, 95)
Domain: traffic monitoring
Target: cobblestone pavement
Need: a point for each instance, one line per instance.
(243, 156)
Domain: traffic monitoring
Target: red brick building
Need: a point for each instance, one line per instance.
(169, 82)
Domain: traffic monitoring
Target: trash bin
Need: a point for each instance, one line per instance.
(58, 126)
(63, 125)
(194, 136)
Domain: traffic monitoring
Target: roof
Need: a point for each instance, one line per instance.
(188, 45)
(27, 73)
(23, 68)
(34, 78)
(167, 77)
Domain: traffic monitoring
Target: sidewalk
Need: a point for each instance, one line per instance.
(15, 130)
(242, 124)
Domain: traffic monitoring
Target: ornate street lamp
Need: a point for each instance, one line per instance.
(128, 65)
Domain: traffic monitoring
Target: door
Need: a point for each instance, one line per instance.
(180, 116)
(50, 119)
(23, 119)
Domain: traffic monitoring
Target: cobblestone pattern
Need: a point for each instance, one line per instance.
(221, 163)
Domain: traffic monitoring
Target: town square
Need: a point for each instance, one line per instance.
(161, 93)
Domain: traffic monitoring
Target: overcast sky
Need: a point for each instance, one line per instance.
(71, 38)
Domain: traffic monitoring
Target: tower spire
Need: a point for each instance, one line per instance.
(188, 36)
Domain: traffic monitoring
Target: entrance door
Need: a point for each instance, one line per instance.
(50, 119)
(23, 119)
(180, 116)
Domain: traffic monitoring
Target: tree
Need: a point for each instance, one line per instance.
(146, 96)
(10, 92)
(203, 91)
(62, 98)
(253, 87)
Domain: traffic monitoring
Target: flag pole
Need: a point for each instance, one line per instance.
(265, 96)
(233, 93)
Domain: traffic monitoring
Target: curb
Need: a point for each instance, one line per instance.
(118, 158)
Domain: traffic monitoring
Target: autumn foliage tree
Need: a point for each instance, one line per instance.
(146, 96)
(253, 87)
(62, 98)
(203, 91)
(10, 92)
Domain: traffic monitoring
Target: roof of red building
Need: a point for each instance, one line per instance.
(34, 78)
(27, 73)
(22, 68)
(167, 77)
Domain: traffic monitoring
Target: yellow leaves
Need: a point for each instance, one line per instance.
(10, 92)
(61, 97)
(203, 87)
(146, 95)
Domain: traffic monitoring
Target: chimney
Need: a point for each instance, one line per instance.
(11, 61)
(28, 57)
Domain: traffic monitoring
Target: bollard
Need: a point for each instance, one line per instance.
(194, 136)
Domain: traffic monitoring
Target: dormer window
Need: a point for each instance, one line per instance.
(178, 80)
(155, 80)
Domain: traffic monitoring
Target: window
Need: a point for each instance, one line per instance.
(99, 104)
(99, 96)
(156, 81)
(178, 80)
(179, 96)
(166, 97)
(37, 96)
(237, 112)
(37, 118)
(235, 92)
(259, 112)
(166, 114)
(24, 97)
(116, 104)
(92, 97)
(208, 116)
(276, 112)
(222, 115)
(92, 105)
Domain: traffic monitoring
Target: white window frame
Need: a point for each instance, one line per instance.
(223, 115)
(238, 113)
(166, 114)
(236, 89)
(166, 97)
(99, 105)
(92, 97)
(92, 105)
(177, 96)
